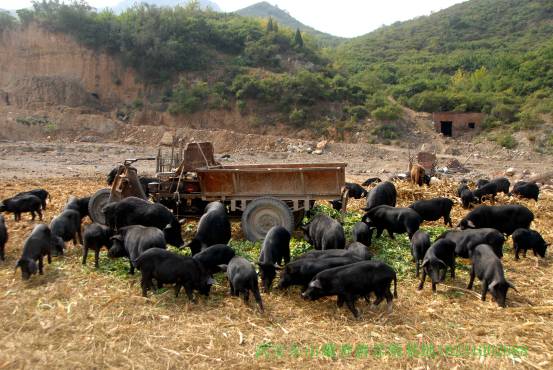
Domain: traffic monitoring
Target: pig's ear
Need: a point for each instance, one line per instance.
(424, 263)
(512, 286)
(471, 224)
(116, 237)
(168, 226)
(182, 221)
(442, 263)
(278, 267)
(223, 267)
(492, 285)
(315, 284)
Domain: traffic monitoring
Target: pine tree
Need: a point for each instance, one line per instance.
(298, 40)
(275, 26)
(270, 27)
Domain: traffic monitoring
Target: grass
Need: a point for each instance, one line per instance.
(75, 316)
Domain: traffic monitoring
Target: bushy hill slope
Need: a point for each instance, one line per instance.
(492, 56)
(194, 60)
(480, 55)
(265, 10)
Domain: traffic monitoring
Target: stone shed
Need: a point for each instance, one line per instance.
(457, 123)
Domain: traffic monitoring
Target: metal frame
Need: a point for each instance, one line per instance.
(297, 184)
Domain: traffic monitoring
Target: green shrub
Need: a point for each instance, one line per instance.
(490, 123)
(189, 99)
(43, 122)
(387, 131)
(50, 127)
(507, 141)
(358, 112)
(388, 112)
(297, 116)
(430, 101)
(529, 119)
(504, 112)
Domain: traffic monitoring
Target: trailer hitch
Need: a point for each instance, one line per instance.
(132, 160)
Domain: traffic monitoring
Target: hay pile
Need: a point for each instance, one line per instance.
(76, 317)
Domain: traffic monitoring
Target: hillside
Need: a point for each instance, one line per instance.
(163, 65)
(492, 25)
(265, 10)
(480, 55)
(187, 64)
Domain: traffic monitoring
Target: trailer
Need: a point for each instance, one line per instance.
(262, 195)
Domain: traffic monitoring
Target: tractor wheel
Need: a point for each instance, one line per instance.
(96, 203)
(262, 214)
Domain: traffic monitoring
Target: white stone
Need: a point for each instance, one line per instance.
(434, 180)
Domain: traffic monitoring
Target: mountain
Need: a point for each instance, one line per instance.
(266, 10)
(493, 25)
(480, 55)
(204, 4)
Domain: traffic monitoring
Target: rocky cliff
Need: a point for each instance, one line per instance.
(39, 69)
(50, 86)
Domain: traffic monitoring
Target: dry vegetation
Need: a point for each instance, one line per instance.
(76, 317)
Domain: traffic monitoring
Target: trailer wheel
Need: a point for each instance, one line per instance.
(263, 213)
(96, 203)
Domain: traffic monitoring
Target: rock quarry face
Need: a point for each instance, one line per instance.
(37, 91)
(43, 67)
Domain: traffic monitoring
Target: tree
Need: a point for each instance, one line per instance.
(275, 26)
(298, 40)
(270, 27)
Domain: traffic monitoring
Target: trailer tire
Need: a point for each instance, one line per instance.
(96, 203)
(263, 213)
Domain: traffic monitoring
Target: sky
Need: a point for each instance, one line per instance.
(346, 18)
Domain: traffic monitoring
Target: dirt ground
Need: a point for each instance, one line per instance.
(76, 317)
(39, 159)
